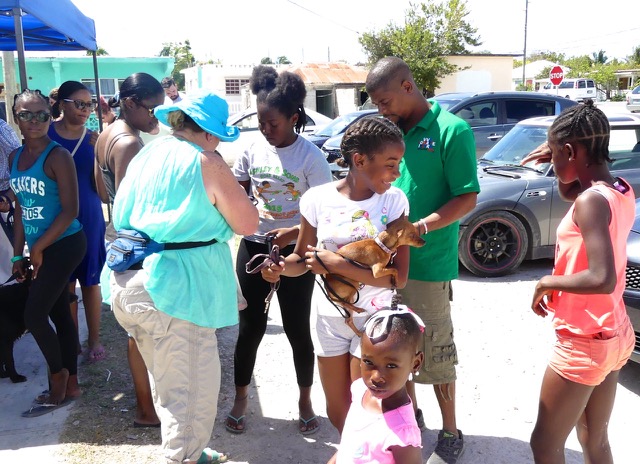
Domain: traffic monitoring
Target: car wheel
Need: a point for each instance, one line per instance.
(493, 244)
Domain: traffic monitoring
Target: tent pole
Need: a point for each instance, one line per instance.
(97, 81)
(17, 21)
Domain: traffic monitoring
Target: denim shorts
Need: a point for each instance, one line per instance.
(431, 301)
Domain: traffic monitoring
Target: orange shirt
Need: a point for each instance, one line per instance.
(593, 313)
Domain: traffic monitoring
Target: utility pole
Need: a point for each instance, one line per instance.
(524, 54)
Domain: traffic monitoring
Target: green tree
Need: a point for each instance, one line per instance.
(599, 57)
(99, 52)
(634, 58)
(266, 60)
(430, 32)
(579, 66)
(283, 60)
(181, 53)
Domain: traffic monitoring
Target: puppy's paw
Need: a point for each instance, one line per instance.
(18, 378)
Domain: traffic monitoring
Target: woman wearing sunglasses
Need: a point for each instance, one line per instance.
(43, 178)
(73, 107)
(117, 145)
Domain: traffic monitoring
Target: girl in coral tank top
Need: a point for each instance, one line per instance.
(594, 337)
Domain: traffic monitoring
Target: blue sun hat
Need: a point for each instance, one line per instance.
(207, 110)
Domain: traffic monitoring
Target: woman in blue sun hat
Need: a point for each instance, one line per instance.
(177, 190)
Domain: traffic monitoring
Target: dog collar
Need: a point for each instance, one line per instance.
(383, 246)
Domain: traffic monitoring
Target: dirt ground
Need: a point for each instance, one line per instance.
(503, 348)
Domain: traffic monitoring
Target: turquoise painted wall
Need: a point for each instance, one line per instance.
(47, 73)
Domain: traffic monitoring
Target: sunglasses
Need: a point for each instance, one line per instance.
(81, 105)
(150, 110)
(40, 116)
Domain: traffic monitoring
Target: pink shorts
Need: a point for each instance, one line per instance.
(588, 359)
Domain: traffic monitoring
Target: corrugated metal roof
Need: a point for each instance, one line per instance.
(330, 73)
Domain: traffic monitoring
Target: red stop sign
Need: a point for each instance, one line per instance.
(556, 75)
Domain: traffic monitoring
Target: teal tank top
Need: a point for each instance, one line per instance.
(163, 195)
(39, 197)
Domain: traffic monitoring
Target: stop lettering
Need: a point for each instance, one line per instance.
(556, 75)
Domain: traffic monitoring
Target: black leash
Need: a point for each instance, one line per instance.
(327, 289)
(272, 257)
(16, 274)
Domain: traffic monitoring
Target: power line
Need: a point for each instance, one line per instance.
(326, 18)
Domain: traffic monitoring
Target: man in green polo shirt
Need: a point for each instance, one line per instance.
(438, 175)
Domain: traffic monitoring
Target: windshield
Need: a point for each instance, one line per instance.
(338, 125)
(518, 143)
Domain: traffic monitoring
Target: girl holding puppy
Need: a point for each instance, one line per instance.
(335, 214)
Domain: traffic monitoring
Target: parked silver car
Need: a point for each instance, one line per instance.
(633, 100)
(632, 284)
(519, 207)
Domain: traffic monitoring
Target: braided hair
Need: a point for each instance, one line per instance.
(367, 136)
(399, 324)
(584, 124)
(285, 92)
(28, 94)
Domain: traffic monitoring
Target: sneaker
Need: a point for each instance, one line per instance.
(448, 450)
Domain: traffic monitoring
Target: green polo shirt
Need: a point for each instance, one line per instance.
(439, 163)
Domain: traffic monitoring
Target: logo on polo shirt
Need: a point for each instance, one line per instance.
(426, 144)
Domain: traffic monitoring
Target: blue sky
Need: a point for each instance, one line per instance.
(244, 31)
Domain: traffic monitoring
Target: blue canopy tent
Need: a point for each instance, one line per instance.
(45, 25)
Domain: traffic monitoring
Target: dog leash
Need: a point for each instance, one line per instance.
(272, 257)
(15, 275)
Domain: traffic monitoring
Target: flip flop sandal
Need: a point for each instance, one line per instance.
(211, 456)
(43, 398)
(305, 423)
(45, 408)
(237, 421)
(140, 425)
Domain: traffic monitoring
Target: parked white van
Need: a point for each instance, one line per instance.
(576, 89)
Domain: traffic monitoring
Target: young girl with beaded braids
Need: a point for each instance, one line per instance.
(351, 209)
(276, 172)
(594, 337)
(381, 426)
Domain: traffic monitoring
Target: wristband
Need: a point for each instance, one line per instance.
(15, 259)
(424, 224)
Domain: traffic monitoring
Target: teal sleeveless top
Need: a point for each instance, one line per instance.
(163, 195)
(39, 197)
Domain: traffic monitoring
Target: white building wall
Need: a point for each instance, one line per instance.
(346, 101)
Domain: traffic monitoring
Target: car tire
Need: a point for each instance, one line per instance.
(493, 244)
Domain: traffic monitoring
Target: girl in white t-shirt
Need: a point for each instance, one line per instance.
(351, 209)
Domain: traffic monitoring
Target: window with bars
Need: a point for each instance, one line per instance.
(232, 86)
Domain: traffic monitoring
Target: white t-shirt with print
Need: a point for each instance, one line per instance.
(279, 177)
(339, 221)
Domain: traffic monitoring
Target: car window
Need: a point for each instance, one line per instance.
(480, 114)
(591, 84)
(338, 125)
(517, 110)
(249, 122)
(624, 148)
(566, 85)
(582, 84)
(516, 144)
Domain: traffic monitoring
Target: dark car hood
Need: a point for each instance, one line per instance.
(317, 140)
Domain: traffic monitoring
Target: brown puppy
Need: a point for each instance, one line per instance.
(374, 254)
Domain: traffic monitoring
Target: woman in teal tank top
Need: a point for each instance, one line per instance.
(43, 178)
(178, 189)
